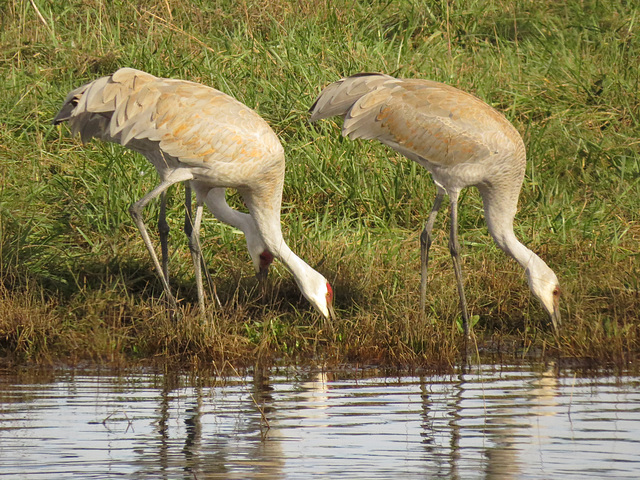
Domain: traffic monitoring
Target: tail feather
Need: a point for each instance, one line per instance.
(339, 97)
(91, 97)
(90, 108)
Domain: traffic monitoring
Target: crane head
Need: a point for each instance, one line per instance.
(261, 257)
(323, 301)
(262, 263)
(329, 296)
(545, 287)
(318, 291)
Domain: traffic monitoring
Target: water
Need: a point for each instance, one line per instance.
(494, 422)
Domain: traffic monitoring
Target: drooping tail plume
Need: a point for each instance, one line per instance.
(338, 97)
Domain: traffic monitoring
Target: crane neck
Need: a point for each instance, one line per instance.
(267, 219)
(508, 242)
(499, 214)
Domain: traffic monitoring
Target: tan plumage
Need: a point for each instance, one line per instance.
(194, 133)
(463, 142)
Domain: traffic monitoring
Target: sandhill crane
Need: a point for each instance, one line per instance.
(194, 133)
(462, 142)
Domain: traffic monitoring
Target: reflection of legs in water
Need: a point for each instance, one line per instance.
(193, 425)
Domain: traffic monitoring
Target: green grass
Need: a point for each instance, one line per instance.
(76, 282)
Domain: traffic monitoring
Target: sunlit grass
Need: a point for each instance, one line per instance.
(76, 280)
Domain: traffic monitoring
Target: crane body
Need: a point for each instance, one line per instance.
(196, 134)
(462, 142)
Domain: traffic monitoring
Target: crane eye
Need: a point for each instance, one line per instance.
(556, 292)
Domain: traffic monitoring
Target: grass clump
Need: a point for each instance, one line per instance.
(75, 281)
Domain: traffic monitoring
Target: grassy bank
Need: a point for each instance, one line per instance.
(75, 280)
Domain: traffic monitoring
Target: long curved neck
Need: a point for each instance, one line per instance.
(508, 242)
(499, 213)
(217, 203)
(267, 218)
(278, 247)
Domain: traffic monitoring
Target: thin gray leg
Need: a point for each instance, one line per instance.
(196, 254)
(192, 230)
(425, 244)
(136, 214)
(163, 232)
(454, 248)
(188, 209)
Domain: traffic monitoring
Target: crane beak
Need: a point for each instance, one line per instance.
(329, 319)
(332, 313)
(261, 275)
(555, 318)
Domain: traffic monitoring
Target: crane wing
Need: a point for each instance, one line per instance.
(191, 122)
(432, 121)
(421, 119)
(338, 97)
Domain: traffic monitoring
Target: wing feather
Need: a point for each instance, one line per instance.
(188, 121)
(422, 119)
(428, 120)
(339, 97)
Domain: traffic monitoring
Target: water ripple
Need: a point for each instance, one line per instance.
(494, 422)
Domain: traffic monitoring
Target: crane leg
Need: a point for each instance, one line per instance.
(454, 248)
(135, 210)
(188, 228)
(192, 230)
(425, 244)
(196, 253)
(163, 232)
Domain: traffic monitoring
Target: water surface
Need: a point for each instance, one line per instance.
(519, 422)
